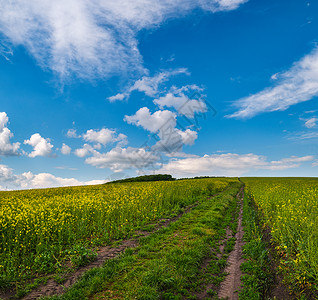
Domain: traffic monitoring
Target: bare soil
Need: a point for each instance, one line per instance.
(230, 286)
(228, 235)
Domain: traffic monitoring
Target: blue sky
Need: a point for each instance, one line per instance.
(97, 90)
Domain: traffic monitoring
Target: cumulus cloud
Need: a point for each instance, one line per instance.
(171, 140)
(6, 147)
(91, 38)
(148, 85)
(41, 146)
(104, 136)
(163, 123)
(6, 174)
(152, 122)
(184, 105)
(298, 84)
(229, 164)
(84, 151)
(311, 123)
(119, 159)
(188, 136)
(66, 150)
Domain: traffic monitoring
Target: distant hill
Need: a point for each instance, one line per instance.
(159, 177)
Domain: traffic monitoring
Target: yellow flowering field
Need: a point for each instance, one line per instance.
(42, 230)
(290, 208)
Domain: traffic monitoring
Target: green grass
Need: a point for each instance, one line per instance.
(258, 277)
(167, 264)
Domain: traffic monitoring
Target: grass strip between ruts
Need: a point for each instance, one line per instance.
(166, 264)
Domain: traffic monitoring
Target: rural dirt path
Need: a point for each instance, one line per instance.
(230, 286)
(52, 288)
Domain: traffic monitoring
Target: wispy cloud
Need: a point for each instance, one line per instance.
(298, 84)
(310, 123)
(149, 84)
(71, 133)
(91, 38)
(303, 135)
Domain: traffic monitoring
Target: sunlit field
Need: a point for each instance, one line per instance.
(43, 230)
(290, 209)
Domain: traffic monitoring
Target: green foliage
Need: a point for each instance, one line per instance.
(159, 177)
(258, 277)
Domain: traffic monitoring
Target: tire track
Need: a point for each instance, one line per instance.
(230, 286)
(52, 288)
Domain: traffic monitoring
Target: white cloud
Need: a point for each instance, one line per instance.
(298, 84)
(163, 123)
(119, 159)
(66, 168)
(121, 140)
(148, 85)
(117, 97)
(229, 164)
(315, 163)
(66, 150)
(286, 163)
(84, 151)
(188, 136)
(152, 122)
(303, 135)
(311, 123)
(28, 180)
(91, 38)
(71, 133)
(6, 174)
(6, 148)
(172, 140)
(181, 102)
(104, 136)
(274, 76)
(41, 146)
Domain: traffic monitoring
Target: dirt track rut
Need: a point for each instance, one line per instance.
(230, 286)
(52, 288)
